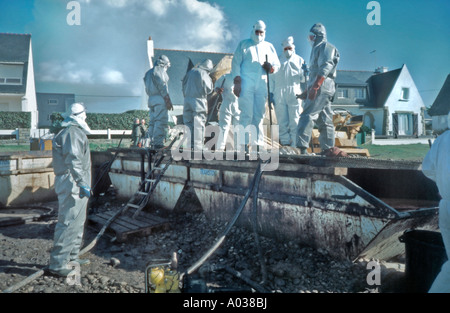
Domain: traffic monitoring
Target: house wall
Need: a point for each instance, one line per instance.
(413, 105)
(29, 103)
(11, 103)
(49, 103)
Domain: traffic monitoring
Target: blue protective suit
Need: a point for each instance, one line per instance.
(156, 83)
(72, 168)
(197, 85)
(323, 61)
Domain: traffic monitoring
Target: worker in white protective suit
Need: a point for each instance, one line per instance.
(156, 83)
(229, 110)
(287, 84)
(197, 85)
(320, 92)
(249, 70)
(72, 168)
(436, 166)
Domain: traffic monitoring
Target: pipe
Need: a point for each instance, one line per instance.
(255, 231)
(238, 212)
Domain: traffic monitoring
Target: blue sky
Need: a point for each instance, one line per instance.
(103, 59)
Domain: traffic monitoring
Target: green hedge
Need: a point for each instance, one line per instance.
(13, 120)
(99, 121)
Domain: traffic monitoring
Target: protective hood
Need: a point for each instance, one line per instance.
(288, 42)
(206, 65)
(259, 25)
(321, 33)
(163, 61)
(76, 116)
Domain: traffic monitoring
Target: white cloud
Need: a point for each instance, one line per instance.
(110, 45)
(112, 77)
(63, 72)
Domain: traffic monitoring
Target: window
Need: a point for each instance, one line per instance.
(342, 93)
(360, 93)
(13, 81)
(405, 94)
(52, 101)
(11, 74)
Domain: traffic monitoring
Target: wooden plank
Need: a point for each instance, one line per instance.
(356, 151)
(101, 221)
(133, 221)
(125, 225)
(119, 221)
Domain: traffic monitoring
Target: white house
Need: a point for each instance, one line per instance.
(388, 100)
(17, 85)
(440, 108)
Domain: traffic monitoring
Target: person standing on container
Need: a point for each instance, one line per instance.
(229, 109)
(250, 71)
(436, 166)
(197, 85)
(287, 85)
(156, 83)
(320, 92)
(72, 168)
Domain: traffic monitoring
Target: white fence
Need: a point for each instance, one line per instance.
(42, 132)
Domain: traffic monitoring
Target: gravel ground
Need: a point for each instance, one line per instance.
(120, 267)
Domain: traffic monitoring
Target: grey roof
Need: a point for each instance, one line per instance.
(441, 105)
(179, 60)
(381, 86)
(352, 78)
(14, 48)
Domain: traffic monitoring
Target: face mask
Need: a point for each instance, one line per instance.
(82, 116)
(311, 39)
(258, 37)
(288, 53)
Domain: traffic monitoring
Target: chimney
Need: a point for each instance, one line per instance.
(381, 69)
(150, 51)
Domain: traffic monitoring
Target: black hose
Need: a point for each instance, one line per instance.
(238, 212)
(255, 231)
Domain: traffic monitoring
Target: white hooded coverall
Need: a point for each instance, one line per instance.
(229, 109)
(436, 166)
(286, 86)
(247, 63)
(156, 83)
(197, 85)
(72, 168)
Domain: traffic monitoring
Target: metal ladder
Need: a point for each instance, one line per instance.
(146, 187)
